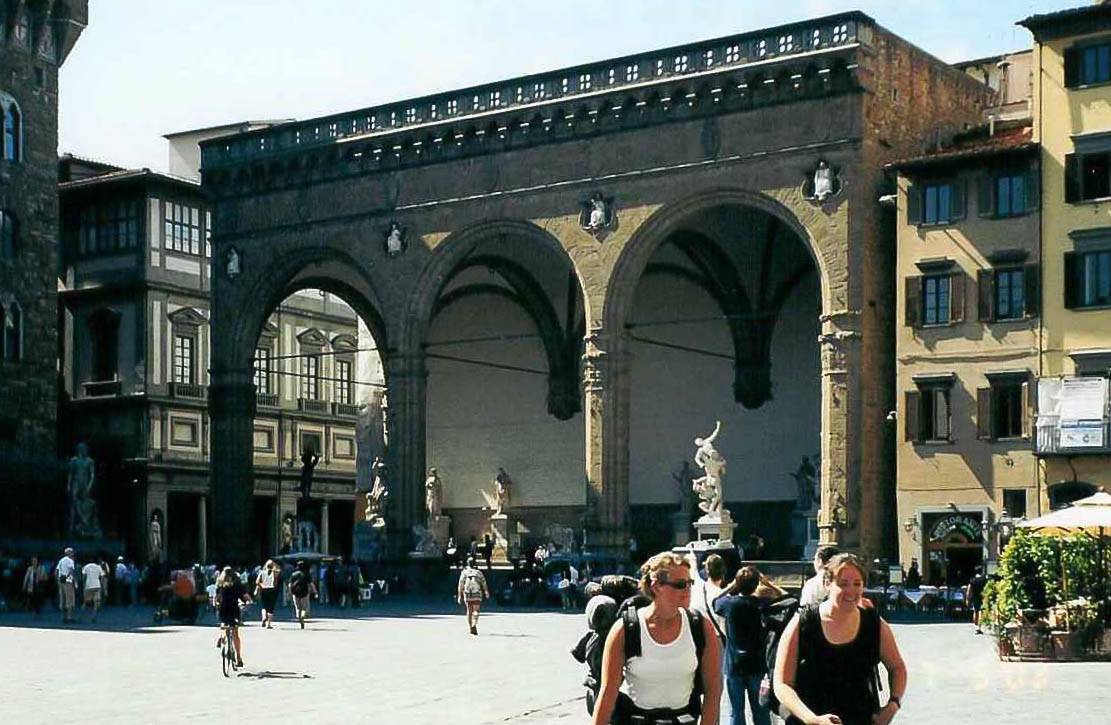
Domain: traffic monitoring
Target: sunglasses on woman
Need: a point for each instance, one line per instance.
(680, 584)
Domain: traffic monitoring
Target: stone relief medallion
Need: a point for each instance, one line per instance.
(395, 241)
(822, 182)
(232, 263)
(597, 216)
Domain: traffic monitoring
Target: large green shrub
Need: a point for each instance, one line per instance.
(1036, 572)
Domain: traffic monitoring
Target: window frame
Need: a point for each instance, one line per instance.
(184, 363)
(11, 121)
(925, 196)
(922, 414)
(344, 383)
(310, 380)
(1075, 63)
(1075, 283)
(263, 369)
(938, 295)
(9, 236)
(1012, 511)
(1005, 407)
(1009, 273)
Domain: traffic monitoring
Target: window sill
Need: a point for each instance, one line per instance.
(1086, 86)
(1089, 202)
(937, 225)
(933, 443)
(1089, 308)
(936, 325)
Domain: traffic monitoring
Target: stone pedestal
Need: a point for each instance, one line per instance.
(503, 530)
(718, 528)
(439, 526)
(370, 542)
(680, 528)
(804, 532)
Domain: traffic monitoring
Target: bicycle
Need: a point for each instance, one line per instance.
(229, 657)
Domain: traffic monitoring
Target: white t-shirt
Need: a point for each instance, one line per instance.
(93, 574)
(663, 675)
(814, 592)
(703, 594)
(121, 571)
(266, 579)
(65, 569)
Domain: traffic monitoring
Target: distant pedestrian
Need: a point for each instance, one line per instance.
(914, 576)
(34, 586)
(66, 574)
(745, 664)
(471, 591)
(825, 666)
(266, 590)
(94, 576)
(132, 583)
(974, 595)
(122, 581)
(301, 588)
(814, 590)
(487, 549)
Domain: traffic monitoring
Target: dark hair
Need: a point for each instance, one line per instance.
(471, 561)
(827, 552)
(747, 579)
(302, 565)
(715, 567)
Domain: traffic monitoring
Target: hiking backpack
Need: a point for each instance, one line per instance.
(472, 584)
(774, 618)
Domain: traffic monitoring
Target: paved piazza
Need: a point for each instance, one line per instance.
(413, 662)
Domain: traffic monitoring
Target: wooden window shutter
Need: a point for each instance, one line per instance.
(914, 204)
(1072, 281)
(983, 413)
(1033, 186)
(913, 413)
(1032, 294)
(985, 184)
(1072, 67)
(956, 199)
(1028, 416)
(913, 300)
(956, 297)
(985, 295)
(1072, 178)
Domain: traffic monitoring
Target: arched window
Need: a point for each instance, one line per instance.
(9, 236)
(12, 331)
(13, 128)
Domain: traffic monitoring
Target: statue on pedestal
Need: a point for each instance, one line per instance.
(503, 487)
(433, 494)
(287, 534)
(806, 481)
(683, 483)
(155, 537)
(80, 484)
(309, 459)
(823, 182)
(709, 486)
(376, 500)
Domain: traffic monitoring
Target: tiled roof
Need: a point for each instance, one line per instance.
(1008, 138)
(1066, 21)
(123, 175)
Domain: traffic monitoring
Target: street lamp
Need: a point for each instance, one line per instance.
(1004, 527)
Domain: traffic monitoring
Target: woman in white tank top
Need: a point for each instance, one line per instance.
(659, 683)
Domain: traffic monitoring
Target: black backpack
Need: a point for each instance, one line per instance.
(774, 618)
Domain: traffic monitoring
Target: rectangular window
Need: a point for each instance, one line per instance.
(928, 414)
(183, 359)
(1006, 410)
(1095, 176)
(183, 228)
(262, 370)
(1095, 278)
(1010, 286)
(936, 204)
(343, 382)
(1014, 502)
(1010, 195)
(936, 299)
(310, 377)
(1094, 64)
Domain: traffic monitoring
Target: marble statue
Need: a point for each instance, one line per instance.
(433, 494)
(376, 501)
(823, 181)
(80, 485)
(155, 537)
(503, 487)
(806, 481)
(425, 540)
(233, 263)
(395, 240)
(709, 486)
(596, 214)
(287, 534)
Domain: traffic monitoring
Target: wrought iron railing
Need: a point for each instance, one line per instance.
(188, 390)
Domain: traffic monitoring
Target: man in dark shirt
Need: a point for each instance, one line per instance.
(743, 662)
(975, 596)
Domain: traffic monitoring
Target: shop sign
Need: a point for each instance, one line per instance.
(962, 523)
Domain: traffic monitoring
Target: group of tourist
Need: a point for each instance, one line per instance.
(664, 654)
(90, 585)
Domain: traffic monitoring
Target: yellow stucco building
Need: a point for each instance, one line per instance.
(1072, 123)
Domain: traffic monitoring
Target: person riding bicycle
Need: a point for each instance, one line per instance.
(229, 592)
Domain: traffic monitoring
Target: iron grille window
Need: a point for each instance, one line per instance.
(183, 359)
(310, 377)
(262, 370)
(343, 384)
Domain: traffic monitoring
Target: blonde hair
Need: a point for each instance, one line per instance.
(839, 562)
(227, 577)
(650, 570)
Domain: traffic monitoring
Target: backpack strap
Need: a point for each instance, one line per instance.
(697, 632)
(632, 633)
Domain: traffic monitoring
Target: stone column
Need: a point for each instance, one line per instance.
(840, 355)
(606, 387)
(324, 526)
(406, 378)
(202, 527)
(231, 400)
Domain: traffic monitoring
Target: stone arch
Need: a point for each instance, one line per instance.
(452, 253)
(648, 237)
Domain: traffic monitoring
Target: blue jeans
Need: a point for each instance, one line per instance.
(737, 686)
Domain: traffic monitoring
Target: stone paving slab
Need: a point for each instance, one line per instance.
(413, 662)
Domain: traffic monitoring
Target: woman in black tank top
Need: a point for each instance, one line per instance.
(825, 668)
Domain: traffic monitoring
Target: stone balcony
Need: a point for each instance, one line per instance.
(189, 391)
(758, 68)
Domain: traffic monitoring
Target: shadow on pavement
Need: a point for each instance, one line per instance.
(270, 675)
